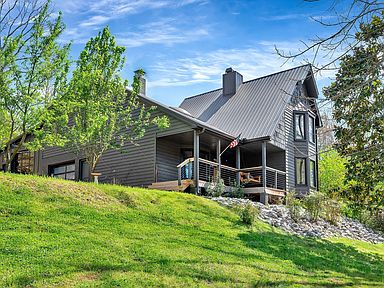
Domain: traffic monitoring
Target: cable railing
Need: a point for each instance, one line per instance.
(249, 177)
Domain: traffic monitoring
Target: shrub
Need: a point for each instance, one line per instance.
(236, 191)
(332, 211)
(248, 213)
(293, 205)
(216, 189)
(314, 204)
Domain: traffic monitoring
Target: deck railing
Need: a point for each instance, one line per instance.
(208, 171)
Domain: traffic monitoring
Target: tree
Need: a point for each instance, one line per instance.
(102, 115)
(358, 98)
(33, 72)
(325, 134)
(343, 20)
(332, 173)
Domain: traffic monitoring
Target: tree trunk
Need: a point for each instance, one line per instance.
(10, 156)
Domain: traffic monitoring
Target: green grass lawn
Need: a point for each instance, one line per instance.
(56, 233)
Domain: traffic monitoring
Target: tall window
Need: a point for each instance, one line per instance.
(312, 171)
(300, 171)
(25, 162)
(311, 129)
(299, 126)
(64, 171)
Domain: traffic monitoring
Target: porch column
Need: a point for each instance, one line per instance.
(264, 195)
(196, 148)
(218, 157)
(238, 164)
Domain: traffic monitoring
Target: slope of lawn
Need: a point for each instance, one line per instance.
(56, 233)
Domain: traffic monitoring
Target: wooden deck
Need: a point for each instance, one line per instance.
(270, 191)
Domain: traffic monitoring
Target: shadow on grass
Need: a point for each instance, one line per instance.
(319, 256)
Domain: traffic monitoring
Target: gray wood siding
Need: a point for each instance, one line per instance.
(134, 167)
(167, 158)
(294, 148)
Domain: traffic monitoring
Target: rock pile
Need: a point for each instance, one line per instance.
(279, 216)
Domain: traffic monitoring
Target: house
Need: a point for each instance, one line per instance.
(276, 116)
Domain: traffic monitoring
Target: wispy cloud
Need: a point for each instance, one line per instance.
(251, 62)
(284, 17)
(96, 20)
(96, 13)
(166, 32)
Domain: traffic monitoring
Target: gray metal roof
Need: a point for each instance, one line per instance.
(254, 110)
(174, 111)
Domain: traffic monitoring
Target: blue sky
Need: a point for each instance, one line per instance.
(184, 46)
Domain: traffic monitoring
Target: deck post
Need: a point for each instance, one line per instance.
(196, 148)
(238, 165)
(179, 176)
(218, 156)
(276, 179)
(264, 195)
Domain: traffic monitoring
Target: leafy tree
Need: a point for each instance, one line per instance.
(102, 115)
(331, 173)
(33, 72)
(358, 97)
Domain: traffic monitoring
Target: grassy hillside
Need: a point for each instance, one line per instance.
(57, 233)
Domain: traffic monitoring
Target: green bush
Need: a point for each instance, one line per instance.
(332, 211)
(216, 189)
(314, 204)
(293, 205)
(236, 191)
(248, 213)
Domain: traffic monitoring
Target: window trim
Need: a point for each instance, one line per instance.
(314, 174)
(295, 113)
(305, 172)
(51, 169)
(313, 138)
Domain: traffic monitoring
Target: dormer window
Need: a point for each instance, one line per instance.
(299, 126)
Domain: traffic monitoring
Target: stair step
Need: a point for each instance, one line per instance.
(171, 185)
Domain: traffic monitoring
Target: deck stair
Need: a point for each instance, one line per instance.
(171, 185)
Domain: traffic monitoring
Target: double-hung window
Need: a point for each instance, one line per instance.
(312, 173)
(301, 171)
(311, 129)
(299, 126)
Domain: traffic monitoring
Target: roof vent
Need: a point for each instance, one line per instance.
(231, 81)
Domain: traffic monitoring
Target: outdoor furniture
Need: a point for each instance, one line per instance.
(247, 179)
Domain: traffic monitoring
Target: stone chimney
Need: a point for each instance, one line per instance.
(143, 83)
(231, 82)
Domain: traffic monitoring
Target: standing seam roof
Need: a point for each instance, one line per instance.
(254, 110)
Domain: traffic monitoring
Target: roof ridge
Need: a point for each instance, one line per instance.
(197, 95)
(275, 73)
(258, 78)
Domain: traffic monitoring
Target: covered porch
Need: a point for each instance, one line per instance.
(194, 158)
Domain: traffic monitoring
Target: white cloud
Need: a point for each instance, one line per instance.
(284, 17)
(165, 32)
(95, 21)
(100, 12)
(251, 62)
